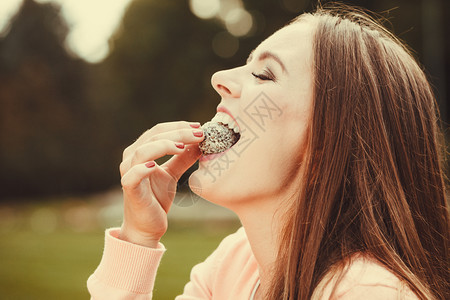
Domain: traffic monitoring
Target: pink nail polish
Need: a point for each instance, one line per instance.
(195, 125)
(198, 133)
(179, 145)
(150, 164)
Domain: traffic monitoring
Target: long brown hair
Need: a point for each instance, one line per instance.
(373, 180)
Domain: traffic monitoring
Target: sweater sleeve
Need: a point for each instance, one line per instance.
(126, 271)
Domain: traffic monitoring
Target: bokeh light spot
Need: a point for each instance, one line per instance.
(239, 22)
(80, 218)
(205, 9)
(111, 215)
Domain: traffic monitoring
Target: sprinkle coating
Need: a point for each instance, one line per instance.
(218, 138)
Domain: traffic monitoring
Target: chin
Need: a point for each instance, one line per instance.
(195, 184)
(204, 186)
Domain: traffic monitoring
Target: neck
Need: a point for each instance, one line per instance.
(262, 219)
(262, 227)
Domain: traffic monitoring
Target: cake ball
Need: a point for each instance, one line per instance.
(218, 138)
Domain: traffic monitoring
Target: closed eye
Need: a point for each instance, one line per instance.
(264, 76)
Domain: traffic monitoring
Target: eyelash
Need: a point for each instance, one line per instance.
(266, 76)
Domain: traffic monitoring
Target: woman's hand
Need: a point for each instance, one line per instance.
(149, 189)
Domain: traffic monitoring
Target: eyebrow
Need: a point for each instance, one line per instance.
(266, 55)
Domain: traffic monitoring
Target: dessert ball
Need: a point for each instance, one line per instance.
(218, 138)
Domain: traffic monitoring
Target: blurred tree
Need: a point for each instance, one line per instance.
(44, 116)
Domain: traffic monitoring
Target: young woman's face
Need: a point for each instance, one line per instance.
(270, 98)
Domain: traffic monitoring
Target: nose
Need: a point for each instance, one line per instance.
(226, 83)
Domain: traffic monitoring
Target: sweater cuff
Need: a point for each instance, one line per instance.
(128, 266)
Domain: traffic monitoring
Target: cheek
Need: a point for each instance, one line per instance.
(291, 135)
(287, 159)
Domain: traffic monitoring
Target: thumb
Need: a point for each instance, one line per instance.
(179, 163)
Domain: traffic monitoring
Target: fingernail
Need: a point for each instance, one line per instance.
(195, 125)
(150, 164)
(198, 133)
(179, 145)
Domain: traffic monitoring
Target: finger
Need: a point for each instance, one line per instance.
(158, 129)
(187, 136)
(141, 154)
(170, 126)
(178, 164)
(151, 151)
(131, 180)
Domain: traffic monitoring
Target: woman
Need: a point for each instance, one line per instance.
(339, 185)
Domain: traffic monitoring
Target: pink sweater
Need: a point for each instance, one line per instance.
(128, 271)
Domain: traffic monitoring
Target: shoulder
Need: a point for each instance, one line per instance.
(364, 278)
(226, 272)
(234, 256)
(237, 238)
(234, 246)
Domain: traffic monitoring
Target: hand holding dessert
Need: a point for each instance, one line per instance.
(149, 188)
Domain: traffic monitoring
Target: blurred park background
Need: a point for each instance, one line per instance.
(81, 79)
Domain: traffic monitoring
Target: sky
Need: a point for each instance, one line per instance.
(89, 34)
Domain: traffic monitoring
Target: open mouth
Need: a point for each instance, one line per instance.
(219, 137)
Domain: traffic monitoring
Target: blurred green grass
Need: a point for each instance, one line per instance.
(47, 266)
(57, 264)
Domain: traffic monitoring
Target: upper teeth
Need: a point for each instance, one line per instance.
(226, 119)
